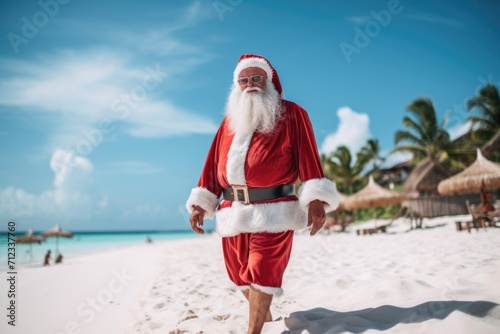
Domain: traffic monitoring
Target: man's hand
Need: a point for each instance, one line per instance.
(316, 216)
(196, 219)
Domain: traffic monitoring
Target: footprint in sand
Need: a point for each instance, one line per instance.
(424, 283)
(155, 325)
(179, 331)
(221, 317)
(405, 287)
(188, 315)
(159, 306)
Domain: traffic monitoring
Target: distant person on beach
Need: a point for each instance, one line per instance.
(264, 145)
(149, 240)
(487, 206)
(46, 260)
(59, 258)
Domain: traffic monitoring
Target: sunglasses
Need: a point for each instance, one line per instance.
(254, 78)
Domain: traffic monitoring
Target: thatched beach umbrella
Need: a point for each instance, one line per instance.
(371, 196)
(57, 232)
(425, 177)
(29, 238)
(482, 175)
(342, 199)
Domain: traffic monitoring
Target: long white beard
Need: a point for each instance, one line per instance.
(250, 112)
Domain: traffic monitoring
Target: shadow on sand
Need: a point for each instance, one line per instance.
(317, 320)
(423, 228)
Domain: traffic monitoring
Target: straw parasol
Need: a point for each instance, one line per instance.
(342, 199)
(29, 238)
(371, 196)
(482, 175)
(57, 232)
(425, 177)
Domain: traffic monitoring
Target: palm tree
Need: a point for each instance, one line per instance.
(426, 137)
(487, 123)
(339, 167)
(371, 153)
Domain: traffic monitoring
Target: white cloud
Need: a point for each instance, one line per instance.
(162, 119)
(70, 197)
(87, 87)
(68, 82)
(15, 203)
(121, 74)
(459, 130)
(395, 158)
(66, 166)
(73, 200)
(353, 131)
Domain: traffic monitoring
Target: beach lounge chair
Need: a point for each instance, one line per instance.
(383, 228)
(479, 220)
(494, 218)
(495, 214)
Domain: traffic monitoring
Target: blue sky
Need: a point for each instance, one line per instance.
(107, 108)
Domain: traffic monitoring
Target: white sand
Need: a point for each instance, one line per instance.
(434, 280)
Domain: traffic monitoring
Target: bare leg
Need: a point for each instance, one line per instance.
(259, 310)
(269, 316)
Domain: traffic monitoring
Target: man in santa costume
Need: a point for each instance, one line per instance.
(264, 145)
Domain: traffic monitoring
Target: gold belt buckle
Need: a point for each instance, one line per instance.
(244, 189)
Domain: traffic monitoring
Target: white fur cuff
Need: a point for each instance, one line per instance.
(269, 290)
(320, 189)
(205, 199)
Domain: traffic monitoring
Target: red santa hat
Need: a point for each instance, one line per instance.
(253, 60)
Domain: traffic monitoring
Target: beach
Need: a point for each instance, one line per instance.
(431, 280)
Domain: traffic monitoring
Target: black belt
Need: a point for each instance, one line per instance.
(246, 195)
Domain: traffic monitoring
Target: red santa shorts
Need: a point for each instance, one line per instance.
(258, 259)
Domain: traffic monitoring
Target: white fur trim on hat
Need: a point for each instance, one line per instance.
(252, 62)
(320, 189)
(203, 197)
(265, 217)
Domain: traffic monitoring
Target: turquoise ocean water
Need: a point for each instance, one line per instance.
(82, 243)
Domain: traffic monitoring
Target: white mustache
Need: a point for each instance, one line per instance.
(253, 89)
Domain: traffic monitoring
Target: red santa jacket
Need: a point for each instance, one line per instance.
(263, 160)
